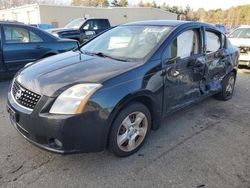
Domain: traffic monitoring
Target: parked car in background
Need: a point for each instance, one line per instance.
(222, 28)
(82, 29)
(21, 44)
(43, 26)
(240, 37)
(115, 88)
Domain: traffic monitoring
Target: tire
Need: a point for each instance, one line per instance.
(228, 84)
(132, 135)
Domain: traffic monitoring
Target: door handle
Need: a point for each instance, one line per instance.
(39, 47)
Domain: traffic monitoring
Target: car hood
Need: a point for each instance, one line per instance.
(50, 75)
(62, 30)
(240, 42)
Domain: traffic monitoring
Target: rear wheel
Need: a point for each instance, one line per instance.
(228, 84)
(129, 130)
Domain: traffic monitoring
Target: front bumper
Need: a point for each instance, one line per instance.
(244, 59)
(86, 132)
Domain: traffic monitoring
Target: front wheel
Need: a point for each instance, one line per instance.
(129, 130)
(228, 84)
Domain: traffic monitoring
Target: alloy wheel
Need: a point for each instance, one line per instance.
(132, 131)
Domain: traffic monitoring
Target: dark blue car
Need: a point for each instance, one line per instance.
(21, 44)
(114, 89)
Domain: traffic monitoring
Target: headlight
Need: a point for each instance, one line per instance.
(73, 100)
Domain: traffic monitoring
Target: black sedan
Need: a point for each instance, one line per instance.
(112, 91)
(21, 44)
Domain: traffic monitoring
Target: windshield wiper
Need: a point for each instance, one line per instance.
(100, 54)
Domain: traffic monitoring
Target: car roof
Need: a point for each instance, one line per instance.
(173, 23)
(11, 22)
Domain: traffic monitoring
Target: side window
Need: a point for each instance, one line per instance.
(35, 38)
(96, 25)
(88, 25)
(100, 24)
(185, 45)
(213, 42)
(16, 34)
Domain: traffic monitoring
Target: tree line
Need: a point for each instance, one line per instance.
(234, 16)
(231, 17)
(101, 3)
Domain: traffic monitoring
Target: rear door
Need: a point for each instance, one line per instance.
(216, 58)
(184, 65)
(20, 46)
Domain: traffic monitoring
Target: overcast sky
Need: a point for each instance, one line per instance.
(195, 4)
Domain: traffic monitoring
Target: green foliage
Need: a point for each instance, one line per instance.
(101, 3)
(120, 3)
(154, 4)
(115, 3)
(123, 3)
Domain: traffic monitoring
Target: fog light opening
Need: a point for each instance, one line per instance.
(55, 143)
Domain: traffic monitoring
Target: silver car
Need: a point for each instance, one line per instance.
(240, 37)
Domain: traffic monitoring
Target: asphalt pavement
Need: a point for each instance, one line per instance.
(204, 146)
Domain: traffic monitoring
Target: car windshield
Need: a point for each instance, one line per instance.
(240, 33)
(75, 24)
(127, 42)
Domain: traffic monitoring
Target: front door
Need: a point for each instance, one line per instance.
(184, 70)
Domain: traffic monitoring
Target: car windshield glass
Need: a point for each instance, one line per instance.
(240, 33)
(75, 24)
(127, 42)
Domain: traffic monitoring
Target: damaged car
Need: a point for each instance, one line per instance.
(114, 89)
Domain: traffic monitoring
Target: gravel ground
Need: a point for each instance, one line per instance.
(206, 145)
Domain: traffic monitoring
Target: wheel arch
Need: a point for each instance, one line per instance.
(234, 71)
(142, 97)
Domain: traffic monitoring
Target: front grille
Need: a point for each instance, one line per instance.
(24, 96)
